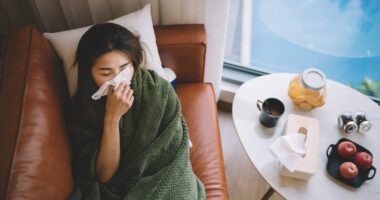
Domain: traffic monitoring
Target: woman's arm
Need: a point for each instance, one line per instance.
(118, 103)
(109, 153)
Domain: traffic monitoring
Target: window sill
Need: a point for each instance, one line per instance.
(228, 91)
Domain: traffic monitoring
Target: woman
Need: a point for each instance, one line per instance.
(132, 143)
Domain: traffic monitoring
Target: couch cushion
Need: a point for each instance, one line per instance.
(34, 148)
(200, 113)
(183, 49)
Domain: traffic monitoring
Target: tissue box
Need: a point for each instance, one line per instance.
(309, 162)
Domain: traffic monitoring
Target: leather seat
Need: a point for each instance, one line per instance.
(200, 113)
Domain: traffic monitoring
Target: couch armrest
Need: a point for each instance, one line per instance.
(34, 148)
(201, 115)
(183, 49)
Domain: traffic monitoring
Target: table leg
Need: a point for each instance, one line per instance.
(268, 194)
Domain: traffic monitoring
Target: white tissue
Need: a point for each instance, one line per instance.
(125, 75)
(289, 150)
(170, 75)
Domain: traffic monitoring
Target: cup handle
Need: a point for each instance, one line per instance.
(328, 152)
(374, 172)
(259, 104)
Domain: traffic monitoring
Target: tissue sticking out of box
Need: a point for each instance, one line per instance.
(289, 150)
(305, 130)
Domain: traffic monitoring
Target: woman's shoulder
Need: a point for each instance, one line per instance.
(80, 115)
(151, 77)
(154, 84)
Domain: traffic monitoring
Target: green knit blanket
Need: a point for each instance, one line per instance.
(154, 145)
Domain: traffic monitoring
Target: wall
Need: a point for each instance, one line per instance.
(14, 13)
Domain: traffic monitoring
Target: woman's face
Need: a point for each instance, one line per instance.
(107, 66)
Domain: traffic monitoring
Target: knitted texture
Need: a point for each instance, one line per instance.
(154, 148)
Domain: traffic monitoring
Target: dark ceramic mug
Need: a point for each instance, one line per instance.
(270, 111)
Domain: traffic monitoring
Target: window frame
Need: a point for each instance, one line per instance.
(237, 74)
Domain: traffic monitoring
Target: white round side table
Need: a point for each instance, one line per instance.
(256, 138)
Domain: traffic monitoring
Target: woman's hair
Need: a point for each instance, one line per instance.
(103, 38)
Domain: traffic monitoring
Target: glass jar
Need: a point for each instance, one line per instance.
(308, 90)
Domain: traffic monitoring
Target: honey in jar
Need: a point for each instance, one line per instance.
(308, 89)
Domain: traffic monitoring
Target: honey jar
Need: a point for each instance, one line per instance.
(308, 89)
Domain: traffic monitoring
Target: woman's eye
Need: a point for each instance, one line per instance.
(105, 74)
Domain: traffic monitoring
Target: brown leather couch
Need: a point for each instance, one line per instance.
(35, 158)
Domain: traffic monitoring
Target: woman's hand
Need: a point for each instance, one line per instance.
(119, 101)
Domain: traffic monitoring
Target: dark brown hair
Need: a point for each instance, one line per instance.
(103, 38)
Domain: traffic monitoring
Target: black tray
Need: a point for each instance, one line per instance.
(334, 161)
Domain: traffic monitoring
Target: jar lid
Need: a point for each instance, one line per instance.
(350, 127)
(313, 79)
(365, 126)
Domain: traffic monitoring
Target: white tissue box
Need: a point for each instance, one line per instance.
(308, 164)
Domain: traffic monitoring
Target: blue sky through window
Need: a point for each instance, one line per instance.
(340, 37)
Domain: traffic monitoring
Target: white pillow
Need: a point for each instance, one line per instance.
(139, 22)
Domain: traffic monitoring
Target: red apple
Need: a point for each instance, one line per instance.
(348, 170)
(363, 159)
(346, 149)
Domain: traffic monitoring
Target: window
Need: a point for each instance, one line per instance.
(340, 37)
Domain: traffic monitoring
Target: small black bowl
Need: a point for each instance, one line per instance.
(334, 161)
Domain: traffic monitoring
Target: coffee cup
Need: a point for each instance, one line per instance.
(271, 110)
